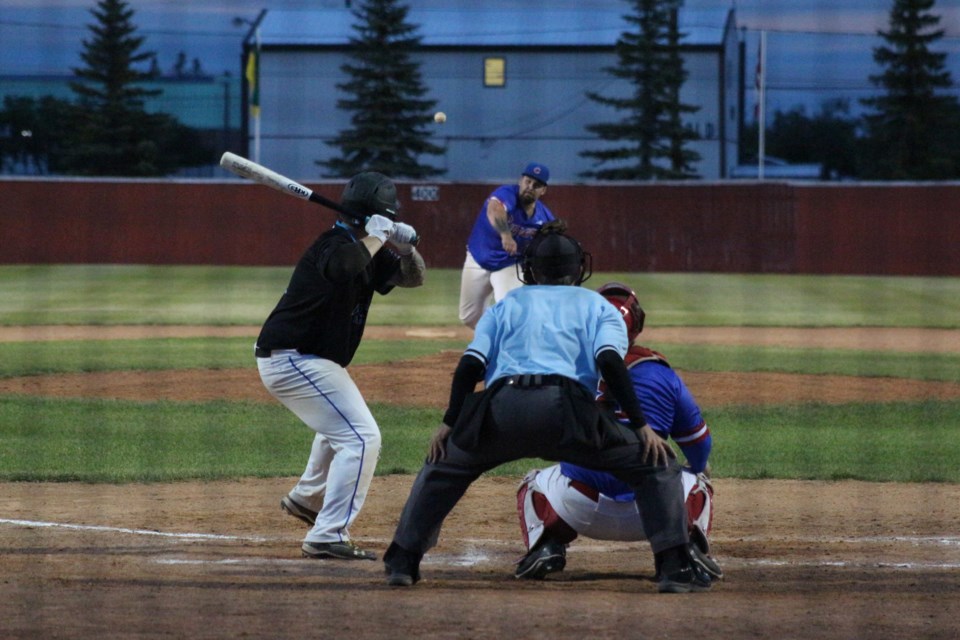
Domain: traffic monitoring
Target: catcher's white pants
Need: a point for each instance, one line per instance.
(476, 286)
(347, 441)
(605, 519)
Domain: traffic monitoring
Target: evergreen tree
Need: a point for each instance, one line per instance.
(651, 141)
(391, 117)
(109, 140)
(914, 132)
(679, 135)
(114, 135)
(828, 138)
(38, 128)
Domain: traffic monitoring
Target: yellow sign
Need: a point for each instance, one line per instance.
(494, 72)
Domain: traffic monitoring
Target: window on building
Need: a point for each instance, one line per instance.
(494, 72)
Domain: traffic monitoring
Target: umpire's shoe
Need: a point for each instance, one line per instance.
(297, 510)
(679, 574)
(541, 561)
(336, 550)
(401, 566)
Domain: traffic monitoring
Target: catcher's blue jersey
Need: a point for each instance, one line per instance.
(484, 243)
(671, 411)
(548, 329)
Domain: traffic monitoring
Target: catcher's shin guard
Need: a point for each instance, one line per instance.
(538, 517)
(700, 505)
(700, 521)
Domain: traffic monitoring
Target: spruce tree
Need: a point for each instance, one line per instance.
(913, 132)
(650, 142)
(681, 156)
(390, 115)
(110, 138)
(114, 135)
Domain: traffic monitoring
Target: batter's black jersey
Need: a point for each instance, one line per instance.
(324, 309)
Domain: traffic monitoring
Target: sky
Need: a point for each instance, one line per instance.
(816, 49)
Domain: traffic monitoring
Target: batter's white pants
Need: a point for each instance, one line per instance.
(605, 519)
(477, 285)
(346, 445)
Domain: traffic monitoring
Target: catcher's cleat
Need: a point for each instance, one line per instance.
(297, 510)
(700, 553)
(335, 550)
(703, 560)
(542, 561)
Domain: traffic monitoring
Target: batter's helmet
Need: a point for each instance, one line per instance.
(553, 257)
(623, 298)
(370, 193)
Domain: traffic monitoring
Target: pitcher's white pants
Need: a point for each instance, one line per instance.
(476, 286)
(346, 445)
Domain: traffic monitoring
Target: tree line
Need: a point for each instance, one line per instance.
(910, 130)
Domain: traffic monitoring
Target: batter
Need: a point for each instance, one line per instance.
(309, 339)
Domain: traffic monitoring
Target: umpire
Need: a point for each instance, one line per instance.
(540, 352)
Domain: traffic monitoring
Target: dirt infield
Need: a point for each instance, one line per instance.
(219, 559)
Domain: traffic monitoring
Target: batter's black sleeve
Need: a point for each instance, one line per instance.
(346, 261)
(615, 374)
(469, 372)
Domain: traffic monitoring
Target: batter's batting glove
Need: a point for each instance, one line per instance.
(404, 234)
(380, 227)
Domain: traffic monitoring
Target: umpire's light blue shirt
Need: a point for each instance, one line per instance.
(548, 329)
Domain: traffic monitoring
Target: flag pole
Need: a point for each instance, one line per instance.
(256, 111)
(761, 104)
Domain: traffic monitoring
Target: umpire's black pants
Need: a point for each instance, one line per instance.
(525, 424)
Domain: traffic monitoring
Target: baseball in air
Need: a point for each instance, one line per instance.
(439, 117)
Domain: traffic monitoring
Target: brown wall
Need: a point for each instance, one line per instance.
(717, 227)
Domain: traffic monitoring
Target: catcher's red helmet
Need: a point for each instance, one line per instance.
(623, 298)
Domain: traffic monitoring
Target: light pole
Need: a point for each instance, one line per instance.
(226, 109)
(251, 76)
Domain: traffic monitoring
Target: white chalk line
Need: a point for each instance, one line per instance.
(36, 524)
(476, 555)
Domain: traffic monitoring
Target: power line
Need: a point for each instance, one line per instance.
(229, 34)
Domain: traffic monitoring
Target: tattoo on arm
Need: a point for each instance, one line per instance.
(412, 270)
(497, 215)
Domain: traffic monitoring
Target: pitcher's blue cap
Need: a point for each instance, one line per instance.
(537, 171)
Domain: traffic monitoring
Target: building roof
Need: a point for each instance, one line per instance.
(487, 28)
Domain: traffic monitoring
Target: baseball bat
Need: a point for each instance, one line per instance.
(258, 173)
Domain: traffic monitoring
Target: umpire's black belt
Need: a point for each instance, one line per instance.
(261, 352)
(534, 380)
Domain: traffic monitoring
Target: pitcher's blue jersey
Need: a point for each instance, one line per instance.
(484, 242)
(548, 329)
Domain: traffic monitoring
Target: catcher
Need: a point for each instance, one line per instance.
(558, 503)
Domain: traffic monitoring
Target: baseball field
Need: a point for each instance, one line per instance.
(142, 463)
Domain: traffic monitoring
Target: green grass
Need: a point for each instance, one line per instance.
(918, 366)
(125, 441)
(121, 441)
(895, 442)
(130, 294)
(72, 356)
(38, 358)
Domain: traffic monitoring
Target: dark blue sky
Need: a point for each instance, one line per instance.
(816, 49)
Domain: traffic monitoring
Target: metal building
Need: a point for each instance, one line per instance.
(513, 84)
